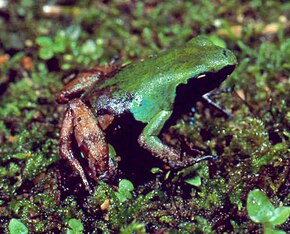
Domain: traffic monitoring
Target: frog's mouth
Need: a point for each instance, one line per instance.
(221, 74)
(201, 84)
(210, 80)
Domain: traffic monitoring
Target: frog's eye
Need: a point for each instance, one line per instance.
(201, 76)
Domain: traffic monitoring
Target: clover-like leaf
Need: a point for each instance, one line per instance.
(280, 215)
(124, 190)
(45, 53)
(125, 185)
(76, 226)
(259, 207)
(17, 227)
(44, 41)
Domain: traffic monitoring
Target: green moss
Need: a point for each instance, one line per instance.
(119, 212)
(252, 148)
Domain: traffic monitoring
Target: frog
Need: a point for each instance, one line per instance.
(148, 90)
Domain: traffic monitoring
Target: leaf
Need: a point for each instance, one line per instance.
(155, 170)
(17, 227)
(124, 190)
(89, 47)
(23, 155)
(259, 207)
(195, 181)
(45, 53)
(273, 231)
(27, 3)
(125, 185)
(281, 214)
(121, 197)
(59, 44)
(65, 66)
(73, 32)
(76, 226)
(44, 41)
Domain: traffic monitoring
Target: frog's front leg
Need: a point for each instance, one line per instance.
(150, 141)
(79, 122)
(84, 82)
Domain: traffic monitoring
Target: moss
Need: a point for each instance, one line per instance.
(38, 51)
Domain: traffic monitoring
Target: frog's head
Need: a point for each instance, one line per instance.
(205, 57)
(204, 63)
(200, 66)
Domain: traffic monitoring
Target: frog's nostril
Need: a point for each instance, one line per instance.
(225, 53)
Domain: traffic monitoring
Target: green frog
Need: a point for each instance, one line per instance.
(147, 90)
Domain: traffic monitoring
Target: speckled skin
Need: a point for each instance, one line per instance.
(147, 90)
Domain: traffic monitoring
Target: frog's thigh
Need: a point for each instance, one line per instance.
(65, 146)
(150, 141)
(90, 138)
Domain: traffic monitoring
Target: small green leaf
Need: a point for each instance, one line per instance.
(133, 227)
(76, 226)
(66, 66)
(27, 3)
(21, 156)
(124, 190)
(281, 214)
(195, 181)
(17, 227)
(73, 32)
(59, 44)
(45, 53)
(273, 231)
(127, 194)
(125, 185)
(167, 175)
(156, 170)
(44, 41)
(259, 207)
(112, 152)
(89, 47)
(121, 197)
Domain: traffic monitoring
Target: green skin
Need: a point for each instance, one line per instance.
(147, 90)
(153, 82)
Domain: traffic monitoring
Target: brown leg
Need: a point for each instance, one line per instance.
(84, 81)
(80, 123)
(90, 137)
(65, 147)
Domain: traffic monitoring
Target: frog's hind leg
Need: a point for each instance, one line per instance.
(65, 147)
(80, 123)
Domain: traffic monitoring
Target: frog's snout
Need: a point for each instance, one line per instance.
(225, 53)
(229, 56)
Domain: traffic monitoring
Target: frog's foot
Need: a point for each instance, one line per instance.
(186, 160)
(207, 98)
(80, 124)
(150, 141)
(172, 157)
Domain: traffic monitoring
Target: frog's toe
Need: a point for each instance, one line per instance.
(112, 171)
(187, 160)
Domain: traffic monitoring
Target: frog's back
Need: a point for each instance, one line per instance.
(151, 83)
